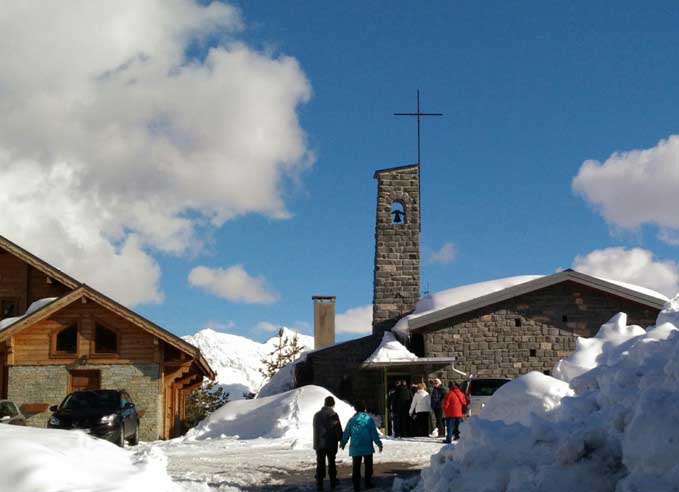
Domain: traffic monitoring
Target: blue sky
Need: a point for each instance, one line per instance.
(530, 90)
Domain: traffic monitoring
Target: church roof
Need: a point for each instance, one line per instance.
(461, 300)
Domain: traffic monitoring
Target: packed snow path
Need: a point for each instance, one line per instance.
(268, 465)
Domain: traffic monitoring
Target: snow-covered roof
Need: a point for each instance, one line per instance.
(458, 300)
(390, 350)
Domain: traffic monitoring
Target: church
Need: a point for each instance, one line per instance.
(500, 328)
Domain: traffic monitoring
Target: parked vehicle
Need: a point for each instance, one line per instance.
(10, 413)
(107, 414)
(479, 391)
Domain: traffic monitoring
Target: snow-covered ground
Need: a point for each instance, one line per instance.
(267, 442)
(237, 359)
(611, 422)
(51, 460)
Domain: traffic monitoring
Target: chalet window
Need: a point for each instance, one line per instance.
(66, 341)
(105, 340)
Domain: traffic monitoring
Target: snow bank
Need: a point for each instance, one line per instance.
(39, 304)
(47, 460)
(520, 400)
(390, 350)
(286, 416)
(590, 352)
(616, 429)
(237, 359)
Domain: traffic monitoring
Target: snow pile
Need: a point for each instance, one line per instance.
(237, 359)
(48, 460)
(390, 350)
(39, 304)
(591, 352)
(287, 416)
(618, 431)
(518, 401)
(458, 295)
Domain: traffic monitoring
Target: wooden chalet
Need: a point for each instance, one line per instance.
(58, 335)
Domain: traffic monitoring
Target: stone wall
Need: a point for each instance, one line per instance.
(336, 368)
(527, 333)
(396, 286)
(49, 384)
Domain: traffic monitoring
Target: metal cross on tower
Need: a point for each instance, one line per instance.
(418, 114)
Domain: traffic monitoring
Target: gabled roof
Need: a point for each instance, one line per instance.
(37, 263)
(84, 291)
(641, 296)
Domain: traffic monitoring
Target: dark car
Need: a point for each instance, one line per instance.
(10, 414)
(107, 414)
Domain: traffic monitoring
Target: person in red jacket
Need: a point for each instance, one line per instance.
(453, 403)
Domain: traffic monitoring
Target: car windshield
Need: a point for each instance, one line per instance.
(92, 400)
(7, 409)
(485, 387)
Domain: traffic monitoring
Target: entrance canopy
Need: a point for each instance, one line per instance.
(393, 354)
(432, 362)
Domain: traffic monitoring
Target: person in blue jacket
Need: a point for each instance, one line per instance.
(362, 431)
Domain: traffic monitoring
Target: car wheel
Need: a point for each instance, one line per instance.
(121, 436)
(134, 440)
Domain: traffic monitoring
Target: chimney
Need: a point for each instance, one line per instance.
(324, 321)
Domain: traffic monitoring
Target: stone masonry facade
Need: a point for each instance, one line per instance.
(337, 369)
(396, 286)
(530, 332)
(49, 384)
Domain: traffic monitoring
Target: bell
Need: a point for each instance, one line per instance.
(398, 216)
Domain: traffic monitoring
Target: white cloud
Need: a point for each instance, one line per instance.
(233, 284)
(114, 146)
(446, 254)
(636, 187)
(355, 320)
(634, 266)
(219, 326)
(268, 327)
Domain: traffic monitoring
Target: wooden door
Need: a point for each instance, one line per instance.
(82, 380)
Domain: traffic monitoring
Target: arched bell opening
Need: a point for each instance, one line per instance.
(398, 212)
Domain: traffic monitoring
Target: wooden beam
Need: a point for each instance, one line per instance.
(10, 352)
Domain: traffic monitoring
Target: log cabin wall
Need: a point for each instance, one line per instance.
(25, 284)
(39, 376)
(3, 371)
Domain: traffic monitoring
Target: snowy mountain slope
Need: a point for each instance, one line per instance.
(237, 359)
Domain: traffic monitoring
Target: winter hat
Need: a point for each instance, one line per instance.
(437, 381)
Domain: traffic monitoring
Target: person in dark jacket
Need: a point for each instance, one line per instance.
(362, 431)
(402, 399)
(327, 434)
(438, 393)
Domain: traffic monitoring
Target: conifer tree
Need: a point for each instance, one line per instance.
(203, 401)
(285, 350)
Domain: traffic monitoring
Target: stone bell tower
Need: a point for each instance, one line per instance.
(396, 285)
